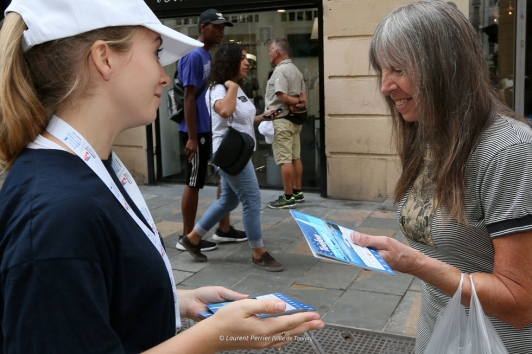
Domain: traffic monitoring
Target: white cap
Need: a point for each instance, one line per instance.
(266, 129)
(49, 20)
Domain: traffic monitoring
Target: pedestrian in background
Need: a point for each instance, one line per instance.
(230, 106)
(286, 90)
(195, 130)
(82, 265)
(465, 202)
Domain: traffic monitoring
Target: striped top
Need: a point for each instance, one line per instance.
(499, 203)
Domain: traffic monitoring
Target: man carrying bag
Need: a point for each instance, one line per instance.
(286, 89)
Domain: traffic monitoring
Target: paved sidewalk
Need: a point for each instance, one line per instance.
(345, 296)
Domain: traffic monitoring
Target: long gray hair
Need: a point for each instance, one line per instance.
(441, 56)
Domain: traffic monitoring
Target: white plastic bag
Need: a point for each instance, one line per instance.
(481, 335)
(448, 334)
(454, 333)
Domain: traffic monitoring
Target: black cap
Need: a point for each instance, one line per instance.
(213, 16)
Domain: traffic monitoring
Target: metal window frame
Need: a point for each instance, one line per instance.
(520, 56)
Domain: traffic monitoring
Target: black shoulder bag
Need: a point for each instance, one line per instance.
(235, 150)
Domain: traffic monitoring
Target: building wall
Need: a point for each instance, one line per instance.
(130, 146)
(361, 159)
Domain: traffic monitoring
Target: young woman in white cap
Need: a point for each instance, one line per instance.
(82, 265)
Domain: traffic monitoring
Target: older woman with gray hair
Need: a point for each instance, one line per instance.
(464, 196)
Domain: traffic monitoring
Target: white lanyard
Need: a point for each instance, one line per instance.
(75, 141)
(41, 142)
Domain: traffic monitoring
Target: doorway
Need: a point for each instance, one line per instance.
(502, 26)
(254, 32)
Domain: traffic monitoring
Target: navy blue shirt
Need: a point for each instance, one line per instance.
(77, 273)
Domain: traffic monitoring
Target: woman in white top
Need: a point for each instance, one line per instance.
(229, 106)
(82, 265)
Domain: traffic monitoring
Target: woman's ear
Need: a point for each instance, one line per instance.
(101, 58)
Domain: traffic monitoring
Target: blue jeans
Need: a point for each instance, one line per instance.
(243, 188)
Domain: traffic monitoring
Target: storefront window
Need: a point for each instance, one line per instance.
(495, 23)
(255, 32)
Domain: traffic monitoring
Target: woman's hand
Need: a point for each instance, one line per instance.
(268, 115)
(226, 106)
(271, 114)
(235, 326)
(228, 84)
(504, 293)
(399, 256)
(193, 301)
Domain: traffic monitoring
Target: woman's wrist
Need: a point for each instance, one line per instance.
(184, 297)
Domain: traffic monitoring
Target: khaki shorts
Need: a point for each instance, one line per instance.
(286, 144)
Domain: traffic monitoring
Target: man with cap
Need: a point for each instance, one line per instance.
(195, 130)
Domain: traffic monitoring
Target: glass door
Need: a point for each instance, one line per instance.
(504, 55)
(502, 26)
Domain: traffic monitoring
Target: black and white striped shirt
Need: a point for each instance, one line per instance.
(499, 203)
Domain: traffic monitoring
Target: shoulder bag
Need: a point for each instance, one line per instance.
(235, 150)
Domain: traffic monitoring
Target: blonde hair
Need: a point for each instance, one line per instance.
(49, 76)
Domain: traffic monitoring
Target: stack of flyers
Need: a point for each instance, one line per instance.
(292, 306)
(330, 241)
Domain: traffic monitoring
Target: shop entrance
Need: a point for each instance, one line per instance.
(255, 32)
(503, 26)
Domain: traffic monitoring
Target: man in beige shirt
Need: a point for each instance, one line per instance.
(286, 90)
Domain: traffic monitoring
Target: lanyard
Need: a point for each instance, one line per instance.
(75, 141)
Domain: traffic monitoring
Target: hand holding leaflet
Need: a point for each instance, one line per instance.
(292, 306)
(330, 241)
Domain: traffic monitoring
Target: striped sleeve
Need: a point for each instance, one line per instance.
(505, 191)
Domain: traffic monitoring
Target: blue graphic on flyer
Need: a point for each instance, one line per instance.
(331, 241)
